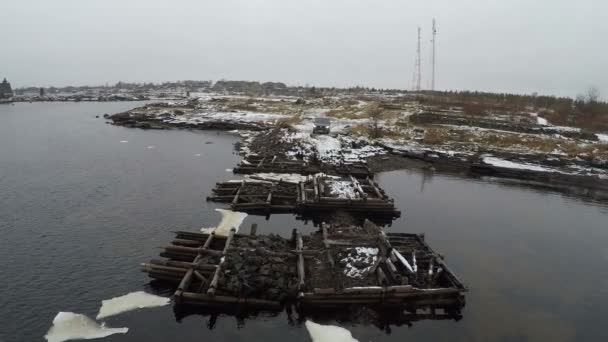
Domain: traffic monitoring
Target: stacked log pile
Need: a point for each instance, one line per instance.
(305, 198)
(336, 266)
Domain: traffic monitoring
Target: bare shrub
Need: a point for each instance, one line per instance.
(375, 113)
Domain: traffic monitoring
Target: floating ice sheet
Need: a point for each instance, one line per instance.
(230, 219)
(129, 302)
(69, 326)
(328, 333)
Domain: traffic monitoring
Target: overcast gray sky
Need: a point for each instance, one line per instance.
(546, 46)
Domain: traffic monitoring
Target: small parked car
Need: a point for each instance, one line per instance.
(321, 126)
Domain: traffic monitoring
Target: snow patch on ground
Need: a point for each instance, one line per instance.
(230, 219)
(275, 177)
(328, 333)
(359, 264)
(342, 189)
(129, 302)
(603, 137)
(72, 326)
(513, 165)
(332, 150)
(542, 121)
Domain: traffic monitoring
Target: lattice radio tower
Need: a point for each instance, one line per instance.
(433, 55)
(417, 66)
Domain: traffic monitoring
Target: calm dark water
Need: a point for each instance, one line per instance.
(80, 210)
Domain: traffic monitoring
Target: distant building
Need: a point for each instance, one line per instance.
(6, 91)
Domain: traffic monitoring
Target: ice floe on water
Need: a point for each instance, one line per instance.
(228, 170)
(197, 155)
(69, 326)
(603, 137)
(328, 333)
(151, 147)
(230, 219)
(129, 302)
(124, 141)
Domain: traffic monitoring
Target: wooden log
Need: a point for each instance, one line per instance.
(177, 256)
(363, 290)
(403, 261)
(168, 269)
(194, 298)
(209, 240)
(186, 243)
(315, 186)
(184, 265)
(215, 279)
(183, 285)
(236, 197)
(382, 279)
(328, 291)
(229, 240)
(191, 250)
(373, 186)
(200, 276)
(392, 270)
(358, 187)
(261, 162)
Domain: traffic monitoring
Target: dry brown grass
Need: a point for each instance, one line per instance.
(345, 112)
(436, 136)
(289, 122)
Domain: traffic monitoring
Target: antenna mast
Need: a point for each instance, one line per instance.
(417, 71)
(433, 56)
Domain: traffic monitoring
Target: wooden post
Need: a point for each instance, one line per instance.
(254, 228)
